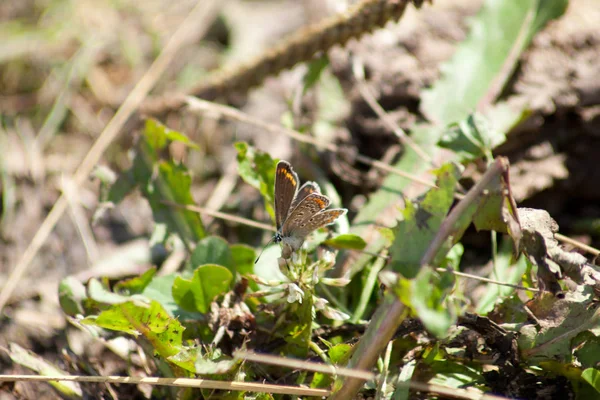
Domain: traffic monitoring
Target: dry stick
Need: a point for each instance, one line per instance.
(177, 382)
(191, 29)
(482, 279)
(577, 244)
(365, 91)
(196, 104)
(362, 17)
(366, 375)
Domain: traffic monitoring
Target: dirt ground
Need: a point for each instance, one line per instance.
(66, 67)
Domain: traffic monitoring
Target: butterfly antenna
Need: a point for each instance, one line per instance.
(262, 251)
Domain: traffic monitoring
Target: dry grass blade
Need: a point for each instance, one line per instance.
(193, 27)
(177, 382)
(577, 244)
(198, 105)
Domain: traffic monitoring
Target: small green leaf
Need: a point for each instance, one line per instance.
(428, 301)
(71, 294)
(592, 376)
(315, 68)
(346, 241)
(135, 285)
(472, 138)
(258, 170)
(158, 135)
(208, 282)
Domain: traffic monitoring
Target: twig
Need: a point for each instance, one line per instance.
(191, 29)
(177, 382)
(488, 280)
(363, 375)
(365, 91)
(577, 244)
(222, 215)
(196, 104)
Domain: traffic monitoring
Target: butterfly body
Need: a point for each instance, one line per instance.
(298, 212)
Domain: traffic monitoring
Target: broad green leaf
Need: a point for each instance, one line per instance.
(499, 34)
(587, 353)
(28, 359)
(382, 206)
(346, 241)
(421, 222)
(137, 284)
(258, 170)
(151, 321)
(208, 282)
(592, 376)
(212, 250)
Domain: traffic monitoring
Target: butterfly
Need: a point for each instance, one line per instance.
(298, 212)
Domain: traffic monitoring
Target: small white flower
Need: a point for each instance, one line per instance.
(295, 293)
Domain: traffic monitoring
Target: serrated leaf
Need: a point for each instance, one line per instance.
(499, 33)
(421, 222)
(346, 241)
(208, 282)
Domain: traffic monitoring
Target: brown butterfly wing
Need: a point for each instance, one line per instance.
(317, 221)
(309, 206)
(286, 186)
(305, 190)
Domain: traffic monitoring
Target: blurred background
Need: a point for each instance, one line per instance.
(67, 66)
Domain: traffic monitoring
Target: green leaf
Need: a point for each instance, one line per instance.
(385, 200)
(100, 293)
(499, 34)
(258, 170)
(151, 321)
(346, 241)
(208, 282)
(587, 353)
(402, 392)
(472, 138)
(504, 271)
(158, 136)
(428, 301)
(421, 222)
(137, 284)
(592, 376)
(28, 359)
(243, 257)
(71, 294)
(212, 250)
(315, 68)
(164, 181)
